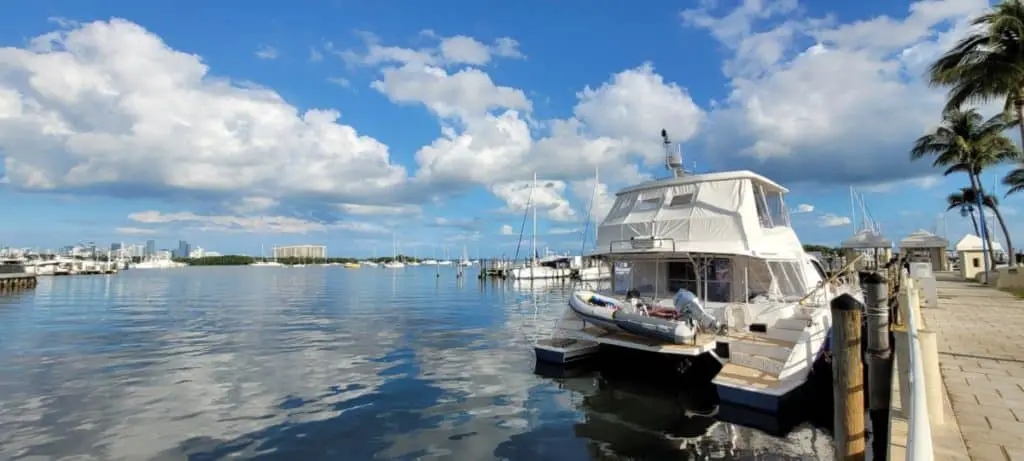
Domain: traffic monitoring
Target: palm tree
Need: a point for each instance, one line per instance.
(987, 64)
(966, 142)
(959, 200)
(968, 198)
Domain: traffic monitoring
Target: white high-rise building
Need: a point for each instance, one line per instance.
(301, 251)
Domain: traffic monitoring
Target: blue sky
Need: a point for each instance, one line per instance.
(338, 122)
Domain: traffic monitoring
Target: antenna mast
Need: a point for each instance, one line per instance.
(673, 159)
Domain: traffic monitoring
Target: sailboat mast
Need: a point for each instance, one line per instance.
(533, 238)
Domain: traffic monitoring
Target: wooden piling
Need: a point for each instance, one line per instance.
(847, 379)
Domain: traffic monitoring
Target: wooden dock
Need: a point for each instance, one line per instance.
(16, 281)
(980, 337)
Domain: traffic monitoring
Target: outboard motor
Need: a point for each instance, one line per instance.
(689, 308)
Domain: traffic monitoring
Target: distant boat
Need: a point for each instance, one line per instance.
(352, 265)
(394, 263)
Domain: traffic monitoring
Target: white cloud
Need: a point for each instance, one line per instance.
(253, 224)
(805, 90)
(315, 55)
(253, 204)
(506, 229)
(831, 220)
(340, 81)
(457, 50)
(548, 196)
(134, 231)
(803, 208)
(267, 52)
(379, 210)
(158, 120)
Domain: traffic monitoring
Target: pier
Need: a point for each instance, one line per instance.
(16, 281)
(979, 337)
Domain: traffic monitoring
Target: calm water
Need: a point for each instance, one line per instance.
(327, 363)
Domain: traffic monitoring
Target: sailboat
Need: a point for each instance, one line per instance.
(394, 263)
(537, 268)
(264, 262)
(465, 262)
(593, 269)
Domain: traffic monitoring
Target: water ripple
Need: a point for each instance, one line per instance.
(313, 363)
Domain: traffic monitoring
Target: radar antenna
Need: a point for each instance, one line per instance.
(673, 158)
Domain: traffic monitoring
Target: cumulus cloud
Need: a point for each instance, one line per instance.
(831, 220)
(107, 106)
(251, 224)
(134, 231)
(267, 52)
(803, 208)
(549, 196)
(806, 90)
(379, 210)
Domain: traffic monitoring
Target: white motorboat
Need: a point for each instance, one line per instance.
(715, 268)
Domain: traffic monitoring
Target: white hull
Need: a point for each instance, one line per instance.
(393, 265)
(540, 272)
(591, 274)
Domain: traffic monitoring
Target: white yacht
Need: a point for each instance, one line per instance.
(158, 263)
(715, 268)
(551, 266)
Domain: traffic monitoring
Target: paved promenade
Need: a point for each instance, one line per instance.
(981, 354)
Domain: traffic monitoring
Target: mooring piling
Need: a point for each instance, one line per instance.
(847, 379)
(879, 353)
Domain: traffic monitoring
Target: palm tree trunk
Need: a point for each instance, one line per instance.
(1006, 233)
(976, 186)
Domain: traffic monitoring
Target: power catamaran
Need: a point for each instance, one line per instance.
(715, 269)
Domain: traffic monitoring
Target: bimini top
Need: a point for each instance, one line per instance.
(734, 212)
(924, 239)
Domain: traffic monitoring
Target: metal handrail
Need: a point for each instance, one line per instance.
(919, 433)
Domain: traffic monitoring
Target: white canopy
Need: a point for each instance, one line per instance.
(972, 242)
(736, 212)
(924, 239)
(867, 239)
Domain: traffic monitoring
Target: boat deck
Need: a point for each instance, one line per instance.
(572, 327)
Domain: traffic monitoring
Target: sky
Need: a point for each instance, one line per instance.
(346, 123)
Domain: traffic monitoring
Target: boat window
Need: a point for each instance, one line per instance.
(648, 204)
(762, 207)
(717, 272)
(681, 200)
(788, 278)
(818, 267)
(622, 206)
(777, 209)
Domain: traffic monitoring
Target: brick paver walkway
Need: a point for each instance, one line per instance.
(981, 353)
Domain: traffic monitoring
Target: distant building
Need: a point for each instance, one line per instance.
(150, 248)
(184, 250)
(197, 252)
(301, 251)
(115, 246)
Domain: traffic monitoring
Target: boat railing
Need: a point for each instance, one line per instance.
(642, 244)
(919, 432)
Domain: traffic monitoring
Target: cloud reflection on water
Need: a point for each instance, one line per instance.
(284, 363)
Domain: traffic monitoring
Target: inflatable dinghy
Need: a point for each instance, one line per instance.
(597, 309)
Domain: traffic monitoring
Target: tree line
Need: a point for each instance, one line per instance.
(985, 66)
